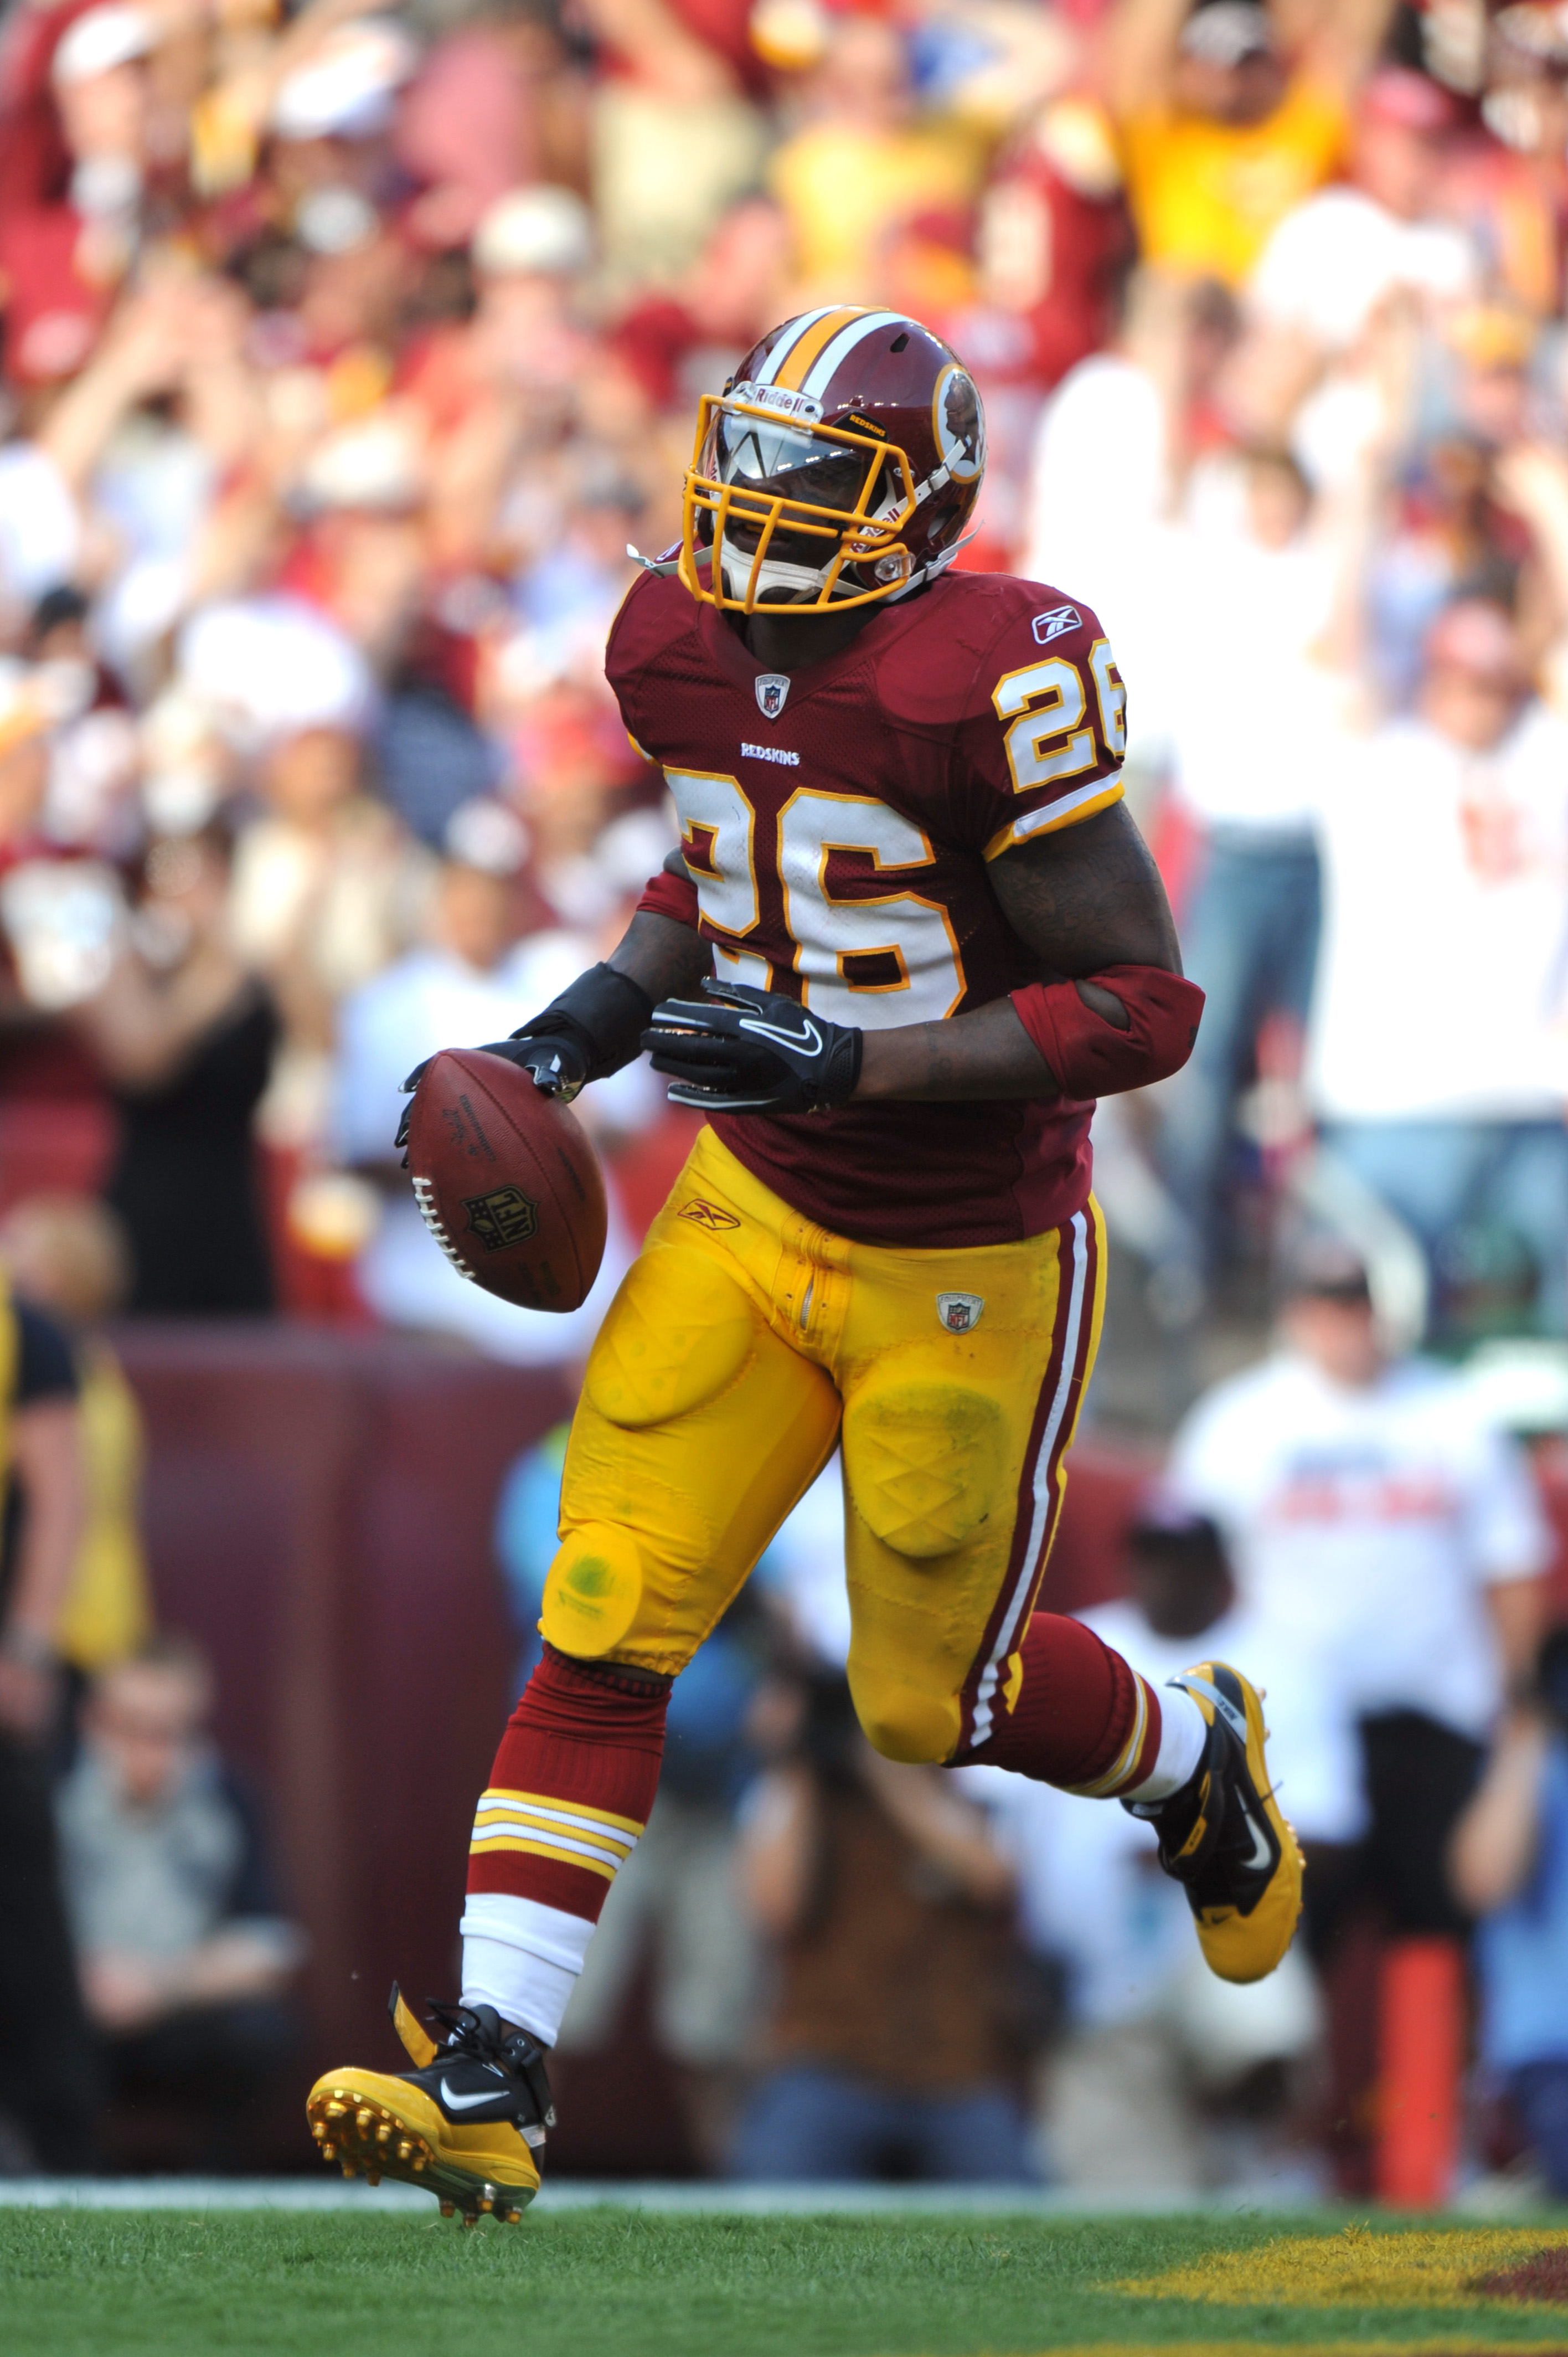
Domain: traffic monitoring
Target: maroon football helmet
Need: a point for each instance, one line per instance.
(839, 465)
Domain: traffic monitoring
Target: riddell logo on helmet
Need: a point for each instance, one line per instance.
(779, 397)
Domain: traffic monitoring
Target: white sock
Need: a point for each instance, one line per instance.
(523, 1958)
(1184, 1731)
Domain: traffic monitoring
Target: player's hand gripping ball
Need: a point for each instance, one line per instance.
(506, 1180)
(740, 1049)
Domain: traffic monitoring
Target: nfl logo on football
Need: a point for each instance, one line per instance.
(772, 687)
(959, 1312)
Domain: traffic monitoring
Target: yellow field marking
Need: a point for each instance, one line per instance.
(1452, 2344)
(1359, 2267)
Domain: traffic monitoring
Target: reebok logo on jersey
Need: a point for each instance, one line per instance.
(1060, 619)
(770, 753)
(772, 691)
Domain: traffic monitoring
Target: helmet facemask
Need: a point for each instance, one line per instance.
(796, 514)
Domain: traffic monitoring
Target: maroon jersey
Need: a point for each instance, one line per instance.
(837, 823)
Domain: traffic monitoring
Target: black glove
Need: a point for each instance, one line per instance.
(739, 1050)
(590, 1031)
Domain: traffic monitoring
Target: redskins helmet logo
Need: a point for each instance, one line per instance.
(957, 422)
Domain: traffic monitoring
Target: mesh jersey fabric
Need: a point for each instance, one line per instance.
(838, 824)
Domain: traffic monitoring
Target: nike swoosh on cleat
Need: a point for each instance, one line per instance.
(1262, 1854)
(467, 2102)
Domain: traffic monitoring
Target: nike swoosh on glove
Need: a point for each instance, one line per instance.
(740, 1049)
(558, 1066)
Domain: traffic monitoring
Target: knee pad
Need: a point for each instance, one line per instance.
(923, 1461)
(680, 1331)
(901, 1721)
(593, 1590)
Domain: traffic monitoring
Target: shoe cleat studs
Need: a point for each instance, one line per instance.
(404, 2149)
(372, 2177)
(328, 2152)
(383, 2134)
(363, 2117)
(349, 2169)
(336, 2109)
(448, 2209)
(318, 2129)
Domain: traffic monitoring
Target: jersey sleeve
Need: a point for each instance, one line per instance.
(1045, 728)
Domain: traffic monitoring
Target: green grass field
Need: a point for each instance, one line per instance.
(616, 2283)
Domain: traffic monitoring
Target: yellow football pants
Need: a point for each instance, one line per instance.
(743, 1340)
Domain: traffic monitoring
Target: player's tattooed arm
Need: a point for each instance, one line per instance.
(1084, 898)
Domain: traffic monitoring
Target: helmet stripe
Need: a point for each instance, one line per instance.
(792, 372)
(829, 360)
(767, 373)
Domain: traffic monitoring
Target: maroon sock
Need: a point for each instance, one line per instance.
(585, 1739)
(1080, 1716)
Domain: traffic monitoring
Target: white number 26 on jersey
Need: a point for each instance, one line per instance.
(876, 962)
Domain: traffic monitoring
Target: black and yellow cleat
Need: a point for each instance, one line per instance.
(467, 2121)
(1223, 1837)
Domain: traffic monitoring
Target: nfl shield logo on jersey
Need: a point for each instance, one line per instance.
(772, 687)
(959, 1312)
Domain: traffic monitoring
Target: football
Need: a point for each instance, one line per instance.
(506, 1181)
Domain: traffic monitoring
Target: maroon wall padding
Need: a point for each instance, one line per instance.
(318, 1514)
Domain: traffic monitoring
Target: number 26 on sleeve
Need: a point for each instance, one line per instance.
(1046, 705)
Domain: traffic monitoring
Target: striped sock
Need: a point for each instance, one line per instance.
(1075, 1714)
(570, 1793)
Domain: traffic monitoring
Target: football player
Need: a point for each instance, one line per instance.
(910, 934)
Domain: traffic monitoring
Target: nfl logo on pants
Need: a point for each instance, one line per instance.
(959, 1312)
(772, 687)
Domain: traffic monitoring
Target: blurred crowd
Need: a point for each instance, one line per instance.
(347, 358)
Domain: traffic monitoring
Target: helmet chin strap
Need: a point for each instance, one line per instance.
(773, 572)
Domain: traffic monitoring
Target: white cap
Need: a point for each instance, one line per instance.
(335, 221)
(100, 40)
(542, 228)
(272, 667)
(487, 834)
(1226, 33)
(376, 463)
(345, 90)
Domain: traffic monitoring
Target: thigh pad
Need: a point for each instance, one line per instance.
(680, 1331)
(923, 1458)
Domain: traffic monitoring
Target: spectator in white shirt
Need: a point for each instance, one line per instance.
(1386, 1532)
(1146, 2094)
(1248, 758)
(471, 981)
(1439, 1051)
(1340, 253)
